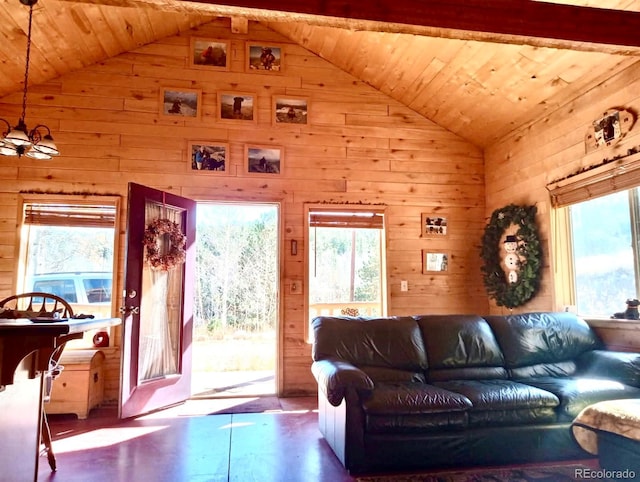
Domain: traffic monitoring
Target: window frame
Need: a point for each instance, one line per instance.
(384, 242)
(72, 200)
(562, 237)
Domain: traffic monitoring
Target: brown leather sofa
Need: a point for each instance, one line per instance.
(459, 390)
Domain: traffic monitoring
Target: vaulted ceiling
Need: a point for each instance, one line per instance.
(479, 68)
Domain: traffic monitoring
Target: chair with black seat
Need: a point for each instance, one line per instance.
(43, 306)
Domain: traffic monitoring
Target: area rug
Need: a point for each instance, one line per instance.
(219, 406)
(550, 473)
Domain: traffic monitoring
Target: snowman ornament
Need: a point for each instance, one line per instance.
(511, 259)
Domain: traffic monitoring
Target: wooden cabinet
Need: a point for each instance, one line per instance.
(80, 386)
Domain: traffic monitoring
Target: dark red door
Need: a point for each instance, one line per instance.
(157, 301)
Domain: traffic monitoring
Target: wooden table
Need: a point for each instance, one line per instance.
(25, 350)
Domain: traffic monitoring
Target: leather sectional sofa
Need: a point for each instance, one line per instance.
(401, 393)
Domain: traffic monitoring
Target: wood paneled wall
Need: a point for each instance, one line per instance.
(520, 166)
(359, 147)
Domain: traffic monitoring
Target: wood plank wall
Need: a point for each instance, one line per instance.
(359, 147)
(519, 167)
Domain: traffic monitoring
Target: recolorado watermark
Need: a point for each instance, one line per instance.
(585, 473)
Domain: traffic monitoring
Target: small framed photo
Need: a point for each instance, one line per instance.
(265, 58)
(434, 262)
(433, 225)
(180, 102)
(290, 110)
(209, 54)
(264, 160)
(209, 156)
(236, 106)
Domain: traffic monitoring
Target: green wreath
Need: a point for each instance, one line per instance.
(528, 250)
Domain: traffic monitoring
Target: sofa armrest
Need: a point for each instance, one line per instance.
(335, 376)
(621, 366)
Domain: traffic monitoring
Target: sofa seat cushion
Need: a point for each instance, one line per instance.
(504, 402)
(413, 407)
(435, 423)
(575, 393)
(413, 398)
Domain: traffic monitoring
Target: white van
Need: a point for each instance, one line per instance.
(87, 292)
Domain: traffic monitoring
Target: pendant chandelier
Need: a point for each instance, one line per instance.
(36, 143)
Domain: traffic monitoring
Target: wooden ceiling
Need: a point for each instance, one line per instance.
(479, 68)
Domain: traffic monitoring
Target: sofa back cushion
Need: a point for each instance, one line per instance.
(392, 342)
(460, 347)
(542, 344)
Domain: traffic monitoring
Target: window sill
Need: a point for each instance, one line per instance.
(613, 323)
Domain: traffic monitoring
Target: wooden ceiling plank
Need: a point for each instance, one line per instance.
(385, 67)
(413, 68)
(105, 34)
(349, 52)
(13, 46)
(440, 83)
(70, 35)
(443, 52)
(369, 56)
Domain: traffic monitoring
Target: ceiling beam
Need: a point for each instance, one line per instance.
(506, 21)
(240, 25)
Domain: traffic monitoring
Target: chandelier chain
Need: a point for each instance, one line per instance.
(26, 69)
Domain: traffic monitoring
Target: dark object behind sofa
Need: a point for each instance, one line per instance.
(450, 390)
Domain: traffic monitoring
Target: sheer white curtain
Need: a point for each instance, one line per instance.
(158, 355)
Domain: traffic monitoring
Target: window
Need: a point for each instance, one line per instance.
(595, 235)
(346, 269)
(604, 244)
(67, 249)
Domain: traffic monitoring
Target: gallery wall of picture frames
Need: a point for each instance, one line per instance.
(212, 156)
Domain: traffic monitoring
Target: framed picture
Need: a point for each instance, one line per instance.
(264, 160)
(290, 110)
(209, 54)
(433, 225)
(180, 102)
(265, 58)
(434, 262)
(209, 156)
(236, 106)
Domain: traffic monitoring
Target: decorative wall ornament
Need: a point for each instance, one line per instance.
(165, 243)
(433, 225)
(237, 107)
(265, 58)
(514, 289)
(210, 54)
(434, 262)
(208, 156)
(180, 102)
(264, 160)
(609, 129)
(290, 110)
